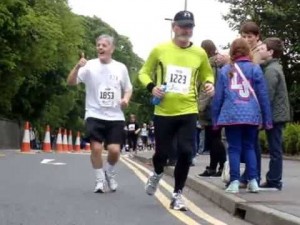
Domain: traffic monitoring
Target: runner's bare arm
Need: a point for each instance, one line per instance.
(126, 98)
(72, 77)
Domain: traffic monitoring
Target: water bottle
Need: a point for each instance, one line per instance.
(156, 100)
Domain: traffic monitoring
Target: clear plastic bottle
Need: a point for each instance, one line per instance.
(156, 100)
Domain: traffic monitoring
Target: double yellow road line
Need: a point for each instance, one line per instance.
(137, 168)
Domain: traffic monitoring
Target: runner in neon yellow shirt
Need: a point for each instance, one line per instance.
(182, 66)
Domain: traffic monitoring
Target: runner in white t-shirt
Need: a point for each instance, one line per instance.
(108, 90)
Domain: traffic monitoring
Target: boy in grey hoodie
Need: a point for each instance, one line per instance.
(271, 50)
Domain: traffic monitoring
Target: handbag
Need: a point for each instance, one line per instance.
(225, 176)
(203, 100)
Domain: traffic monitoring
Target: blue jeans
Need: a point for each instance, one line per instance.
(274, 137)
(241, 139)
(244, 178)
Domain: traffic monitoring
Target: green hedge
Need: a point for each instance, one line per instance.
(291, 140)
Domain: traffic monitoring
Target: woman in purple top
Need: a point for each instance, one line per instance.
(241, 105)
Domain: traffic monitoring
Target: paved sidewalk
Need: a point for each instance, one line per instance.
(264, 208)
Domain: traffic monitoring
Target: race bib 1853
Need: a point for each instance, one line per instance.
(107, 97)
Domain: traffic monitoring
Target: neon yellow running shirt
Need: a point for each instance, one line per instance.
(182, 69)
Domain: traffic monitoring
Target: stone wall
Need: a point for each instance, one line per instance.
(11, 133)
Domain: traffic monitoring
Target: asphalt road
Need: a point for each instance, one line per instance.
(57, 189)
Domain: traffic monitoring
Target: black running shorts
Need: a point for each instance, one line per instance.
(110, 132)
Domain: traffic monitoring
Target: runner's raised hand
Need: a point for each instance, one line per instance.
(82, 61)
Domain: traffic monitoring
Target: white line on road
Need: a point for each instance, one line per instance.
(50, 162)
(47, 161)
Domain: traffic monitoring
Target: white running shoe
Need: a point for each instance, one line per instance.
(177, 202)
(99, 188)
(252, 186)
(152, 183)
(111, 182)
(233, 187)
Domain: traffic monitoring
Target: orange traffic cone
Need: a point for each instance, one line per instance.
(77, 143)
(88, 147)
(70, 142)
(59, 147)
(47, 142)
(65, 141)
(26, 139)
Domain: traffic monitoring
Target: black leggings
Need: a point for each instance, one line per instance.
(216, 147)
(166, 128)
(132, 141)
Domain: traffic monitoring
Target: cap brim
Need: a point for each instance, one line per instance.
(185, 23)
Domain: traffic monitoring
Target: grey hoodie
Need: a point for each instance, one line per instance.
(278, 93)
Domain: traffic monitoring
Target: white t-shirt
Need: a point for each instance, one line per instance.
(104, 85)
(144, 132)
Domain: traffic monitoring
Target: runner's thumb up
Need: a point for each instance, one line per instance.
(82, 61)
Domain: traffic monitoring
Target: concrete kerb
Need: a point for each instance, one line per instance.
(251, 212)
(256, 213)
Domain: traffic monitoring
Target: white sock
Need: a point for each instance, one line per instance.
(108, 167)
(99, 174)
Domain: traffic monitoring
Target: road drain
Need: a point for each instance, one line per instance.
(240, 213)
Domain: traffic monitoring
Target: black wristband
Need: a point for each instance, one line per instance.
(150, 87)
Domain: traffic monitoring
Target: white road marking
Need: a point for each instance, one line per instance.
(50, 162)
(47, 161)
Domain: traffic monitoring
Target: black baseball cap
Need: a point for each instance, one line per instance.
(184, 19)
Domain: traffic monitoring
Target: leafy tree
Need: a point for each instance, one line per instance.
(14, 29)
(38, 40)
